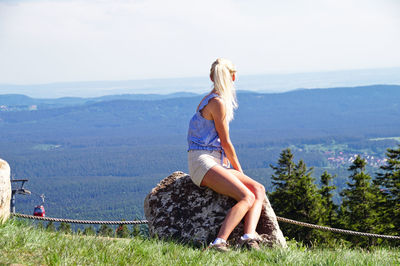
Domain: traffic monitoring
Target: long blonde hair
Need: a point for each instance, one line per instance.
(221, 74)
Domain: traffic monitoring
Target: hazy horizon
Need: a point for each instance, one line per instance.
(267, 83)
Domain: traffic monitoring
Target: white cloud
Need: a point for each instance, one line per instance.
(46, 41)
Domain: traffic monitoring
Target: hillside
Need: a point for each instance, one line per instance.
(20, 243)
(359, 111)
(21, 102)
(107, 153)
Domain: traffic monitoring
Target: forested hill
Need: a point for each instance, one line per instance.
(98, 158)
(18, 100)
(359, 111)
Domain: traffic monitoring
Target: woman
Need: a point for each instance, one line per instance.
(211, 151)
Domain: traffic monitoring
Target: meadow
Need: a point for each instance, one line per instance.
(22, 243)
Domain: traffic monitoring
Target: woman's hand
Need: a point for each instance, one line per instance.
(216, 108)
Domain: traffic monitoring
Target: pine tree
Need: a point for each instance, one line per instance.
(359, 202)
(89, 231)
(122, 231)
(142, 229)
(389, 183)
(296, 197)
(136, 230)
(40, 226)
(105, 230)
(282, 181)
(329, 215)
(65, 228)
(50, 227)
(329, 210)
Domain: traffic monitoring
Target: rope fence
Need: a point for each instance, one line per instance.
(281, 219)
(336, 230)
(72, 221)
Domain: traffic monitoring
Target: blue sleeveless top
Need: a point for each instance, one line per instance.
(202, 134)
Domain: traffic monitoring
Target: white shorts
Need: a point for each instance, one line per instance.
(200, 161)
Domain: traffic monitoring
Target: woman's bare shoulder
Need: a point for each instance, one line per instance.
(217, 101)
(217, 104)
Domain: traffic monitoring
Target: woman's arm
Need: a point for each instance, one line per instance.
(217, 110)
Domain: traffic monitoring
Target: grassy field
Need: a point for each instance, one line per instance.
(21, 243)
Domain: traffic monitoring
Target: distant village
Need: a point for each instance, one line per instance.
(342, 158)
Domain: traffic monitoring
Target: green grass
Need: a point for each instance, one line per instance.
(22, 243)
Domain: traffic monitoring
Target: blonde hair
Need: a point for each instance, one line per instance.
(221, 74)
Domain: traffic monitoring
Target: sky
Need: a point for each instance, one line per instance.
(45, 41)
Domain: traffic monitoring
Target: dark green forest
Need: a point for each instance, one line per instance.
(98, 158)
(367, 205)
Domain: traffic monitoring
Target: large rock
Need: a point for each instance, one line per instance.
(176, 208)
(5, 191)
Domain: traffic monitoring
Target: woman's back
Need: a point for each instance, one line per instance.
(202, 134)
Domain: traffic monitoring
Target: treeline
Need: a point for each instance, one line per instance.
(123, 157)
(79, 180)
(297, 114)
(367, 204)
(89, 198)
(120, 231)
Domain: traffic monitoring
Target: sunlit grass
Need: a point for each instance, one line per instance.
(22, 243)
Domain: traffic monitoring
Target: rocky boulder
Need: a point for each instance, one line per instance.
(178, 209)
(5, 190)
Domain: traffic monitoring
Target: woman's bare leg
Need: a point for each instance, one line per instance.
(227, 183)
(253, 215)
